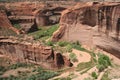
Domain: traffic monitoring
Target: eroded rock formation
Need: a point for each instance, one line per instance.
(32, 14)
(22, 51)
(4, 22)
(92, 24)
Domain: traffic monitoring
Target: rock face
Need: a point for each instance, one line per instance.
(34, 53)
(4, 22)
(49, 15)
(32, 14)
(92, 24)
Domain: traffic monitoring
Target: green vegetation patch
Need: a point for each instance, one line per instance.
(84, 65)
(49, 43)
(63, 43)
(2, 70)
(103, 62)
(44, 32)
(42, 74)
(17, 65)
(37, 74)
(73, 57)
(69, 46)
(94, 75)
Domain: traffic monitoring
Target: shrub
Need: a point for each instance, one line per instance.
(50, 43)
(69, 48)
(94, 75)
(2, 70)
(103, 62)
(62, 43)
(73, 57)
(76, 43)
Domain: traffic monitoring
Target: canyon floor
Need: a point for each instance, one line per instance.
(85, 62)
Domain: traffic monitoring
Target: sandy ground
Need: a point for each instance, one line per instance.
(85, 75)
(85, 57)
(81, 56)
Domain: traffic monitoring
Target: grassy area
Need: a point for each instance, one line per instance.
(73, 57)
(44, 32)
(103, 62)
(105, 76)
(63, 43)
(68, 46)
(17, 65)
(84, 65)
(14, 66)
(37, 74)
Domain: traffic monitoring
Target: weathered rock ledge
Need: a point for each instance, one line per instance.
(22, 51)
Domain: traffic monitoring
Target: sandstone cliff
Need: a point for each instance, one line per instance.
(92, 24)
(4, 22)
(31, 15)
(23, 51)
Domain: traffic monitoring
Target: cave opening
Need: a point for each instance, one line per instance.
(59, 60)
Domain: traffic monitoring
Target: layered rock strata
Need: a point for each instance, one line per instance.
(22, 51)
(92, 24)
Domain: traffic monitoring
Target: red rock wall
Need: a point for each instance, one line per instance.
(4, 22)
(83, 23)
(35, 53)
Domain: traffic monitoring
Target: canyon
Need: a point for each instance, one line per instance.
(29, 16)
(72, 38)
